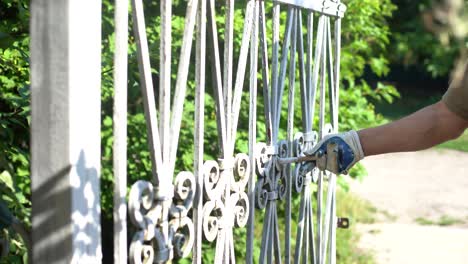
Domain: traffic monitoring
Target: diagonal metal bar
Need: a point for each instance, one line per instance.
(268, 218)
(337, 71)
(276, 238)
(311, 230)
(301, 224)
(328, 217)
(274, 69)
(317, 57)
(305, 256)
(323, 72)
(239, 84)
(283, 66)
(306, 119)
(146, 84)
(331, 75)
(181, 83)
(218, 89)
(266, 85)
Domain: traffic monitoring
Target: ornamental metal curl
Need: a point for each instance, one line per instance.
(161, 212)
(227, 204)
(147, 212)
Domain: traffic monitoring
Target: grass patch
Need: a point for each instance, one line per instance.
(424, 221)
(358, 211)
(448, 221)
(444, 220)
(460, 144)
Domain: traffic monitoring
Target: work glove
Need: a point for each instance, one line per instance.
(337, 153)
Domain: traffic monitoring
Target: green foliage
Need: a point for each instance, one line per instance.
(14, 119)
(414, 45)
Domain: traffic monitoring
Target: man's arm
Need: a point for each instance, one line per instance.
(423, 129)
(426, 128)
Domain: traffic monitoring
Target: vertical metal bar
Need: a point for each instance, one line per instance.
(228, 67)
(181, 83)
(239, 84)
(332, 247)
(220, 107)
(319, 217)
(290, 134)
(165, 77)
(308, 70)
(120, 131)
(199, 129)
(146, 83)
(333, 230)
(65, 136)
(252, 133)
(265, 71)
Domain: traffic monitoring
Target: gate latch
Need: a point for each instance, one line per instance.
(343, 222)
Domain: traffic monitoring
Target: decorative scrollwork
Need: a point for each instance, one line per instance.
(156, 214)
(305, 171)
(226, 206)
(140, 250)
(263, 157)
(272, 183)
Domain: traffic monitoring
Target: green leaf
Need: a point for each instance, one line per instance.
(6, 179)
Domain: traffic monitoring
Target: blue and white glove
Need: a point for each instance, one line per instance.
(337, 153)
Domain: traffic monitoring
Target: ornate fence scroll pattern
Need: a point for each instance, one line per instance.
(227, 204)
(222, 193)
(160, 211)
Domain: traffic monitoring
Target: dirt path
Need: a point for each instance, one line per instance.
(430, 185)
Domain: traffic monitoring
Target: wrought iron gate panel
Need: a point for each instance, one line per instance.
(223, 193)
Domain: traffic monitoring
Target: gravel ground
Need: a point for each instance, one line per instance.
(429, 185)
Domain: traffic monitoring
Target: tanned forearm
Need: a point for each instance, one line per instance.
(428, 127)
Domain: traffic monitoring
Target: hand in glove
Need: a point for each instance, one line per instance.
(337, 153)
